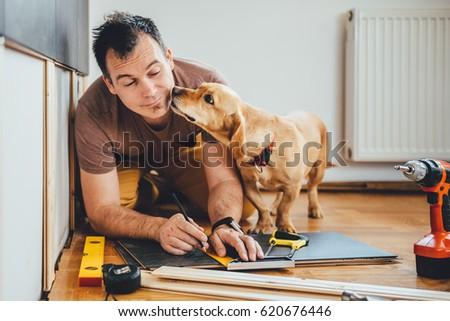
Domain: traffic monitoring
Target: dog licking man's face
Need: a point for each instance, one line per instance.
(211, 106)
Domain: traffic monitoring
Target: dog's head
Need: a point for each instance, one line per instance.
(211, 106)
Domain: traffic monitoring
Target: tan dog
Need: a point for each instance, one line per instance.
(273, 152)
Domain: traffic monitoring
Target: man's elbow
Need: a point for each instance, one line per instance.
(96, 218)
(230, 186)
(234, 184)
(97, 227)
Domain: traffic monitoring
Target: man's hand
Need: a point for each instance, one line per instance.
(178, 236)
(247, 248)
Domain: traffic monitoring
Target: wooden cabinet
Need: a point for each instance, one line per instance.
(37, 103)
(43, 55)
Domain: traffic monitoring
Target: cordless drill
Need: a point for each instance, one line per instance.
(433, 251)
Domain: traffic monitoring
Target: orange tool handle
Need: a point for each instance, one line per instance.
(438, 198)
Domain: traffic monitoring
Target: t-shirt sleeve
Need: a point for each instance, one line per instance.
(94, 148)
(217, 77)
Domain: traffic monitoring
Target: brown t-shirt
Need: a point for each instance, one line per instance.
(108, 134)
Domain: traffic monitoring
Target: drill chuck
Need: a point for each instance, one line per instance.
(413, 170)
(426, 172)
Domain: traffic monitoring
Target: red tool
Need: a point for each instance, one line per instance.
(433, 251)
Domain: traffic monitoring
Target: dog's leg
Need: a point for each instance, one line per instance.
(284, 222)
(314, 179)
(265, 224)
(276, 203)
(247, 215)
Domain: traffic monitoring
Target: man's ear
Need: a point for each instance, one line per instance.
(109, 84)
(169, 57)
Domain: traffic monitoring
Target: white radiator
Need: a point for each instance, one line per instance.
(398, 85)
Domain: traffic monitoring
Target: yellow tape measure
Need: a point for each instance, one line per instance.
(92, 261)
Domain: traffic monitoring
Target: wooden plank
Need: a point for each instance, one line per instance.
(49, 149)
(221, 291)
(45, 276)
(296, 284)
(57, 200)
(72, 109)
(18, 47)
(368, 186)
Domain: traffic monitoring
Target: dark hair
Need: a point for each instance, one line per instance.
(120, 32)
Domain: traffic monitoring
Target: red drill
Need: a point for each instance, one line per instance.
(433, 251)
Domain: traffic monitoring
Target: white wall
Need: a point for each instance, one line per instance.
(278, 55)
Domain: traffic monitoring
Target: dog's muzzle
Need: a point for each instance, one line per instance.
(176, 92)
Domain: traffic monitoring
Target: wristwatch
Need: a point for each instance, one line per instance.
(228, 221)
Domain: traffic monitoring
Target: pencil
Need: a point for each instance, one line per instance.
(186, 217)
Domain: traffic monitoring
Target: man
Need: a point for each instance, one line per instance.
(123, 124)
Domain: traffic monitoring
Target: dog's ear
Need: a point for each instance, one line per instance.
(237, 135)
(237, 132)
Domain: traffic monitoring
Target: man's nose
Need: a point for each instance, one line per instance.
(177, 91)
(149, 88)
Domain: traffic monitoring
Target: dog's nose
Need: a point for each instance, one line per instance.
(177, 91)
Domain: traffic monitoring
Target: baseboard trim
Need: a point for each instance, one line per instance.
(370, 186)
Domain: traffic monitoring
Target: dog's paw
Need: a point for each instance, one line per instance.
(315, 212)
(263, 229)
(264, 226)
(286, 227)
(247, 227)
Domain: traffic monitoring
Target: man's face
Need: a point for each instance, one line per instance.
(143, 80)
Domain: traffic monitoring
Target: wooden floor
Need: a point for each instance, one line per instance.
(389, 221)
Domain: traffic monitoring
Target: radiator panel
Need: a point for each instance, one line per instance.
(397, 85)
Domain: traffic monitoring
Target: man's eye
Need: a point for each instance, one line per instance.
(209, 99)
(129, 84)
(154, 72)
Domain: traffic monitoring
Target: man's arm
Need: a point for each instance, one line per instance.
(102, 201)
(225, 190)
(226, 199)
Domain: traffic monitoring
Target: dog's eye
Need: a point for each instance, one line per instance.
(209, 99)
